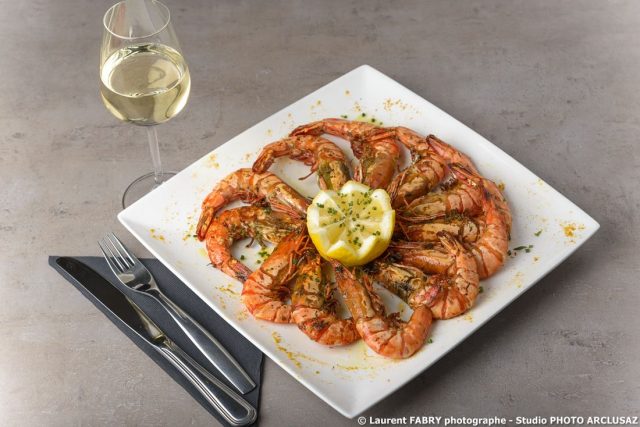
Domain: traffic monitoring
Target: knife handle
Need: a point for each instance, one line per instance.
(233, 408)
(214, 352)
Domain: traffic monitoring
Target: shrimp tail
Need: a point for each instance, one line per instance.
(203, 223)
(313, 128)
(263, 162)
(235, 268)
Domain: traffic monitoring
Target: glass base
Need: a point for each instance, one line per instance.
(142, 186)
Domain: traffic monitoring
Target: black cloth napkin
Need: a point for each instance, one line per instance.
(245, 353)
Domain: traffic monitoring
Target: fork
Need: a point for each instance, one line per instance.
(133, 274)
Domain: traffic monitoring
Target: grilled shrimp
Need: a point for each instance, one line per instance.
(314, 309)
(460, 286)
(378, 157)
(322, 155)
(428, 257)
(409, 283)
(490, 249)
(425, 172)
(438, 154)
(251, 187)
(486, 237)
(265, 291)
(386, 335)
(447, 294)
(464, 196)
(258, 223)
(378, 161)
(420, 177)
(464, 228)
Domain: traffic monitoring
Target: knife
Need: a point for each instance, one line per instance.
(229, 404)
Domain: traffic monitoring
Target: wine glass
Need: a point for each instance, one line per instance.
(144, 79)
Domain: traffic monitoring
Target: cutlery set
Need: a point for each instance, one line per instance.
(136, 282)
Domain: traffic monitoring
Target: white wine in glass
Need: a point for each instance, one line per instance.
(144, 78)
(145, 84)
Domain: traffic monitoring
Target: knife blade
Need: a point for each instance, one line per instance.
(223, 399)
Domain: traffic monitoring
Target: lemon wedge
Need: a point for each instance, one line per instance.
(353, 225)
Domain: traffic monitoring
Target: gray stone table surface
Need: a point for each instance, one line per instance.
(554, 84)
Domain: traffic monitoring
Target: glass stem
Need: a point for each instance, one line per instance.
(155, 154)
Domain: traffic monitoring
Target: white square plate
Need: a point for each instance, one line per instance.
(353, 378)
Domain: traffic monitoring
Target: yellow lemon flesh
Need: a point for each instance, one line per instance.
(353, 225)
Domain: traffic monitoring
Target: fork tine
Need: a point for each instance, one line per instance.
(110, 259)
(128, 263)
(114, 264)
(130, 255)
(114, 254)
